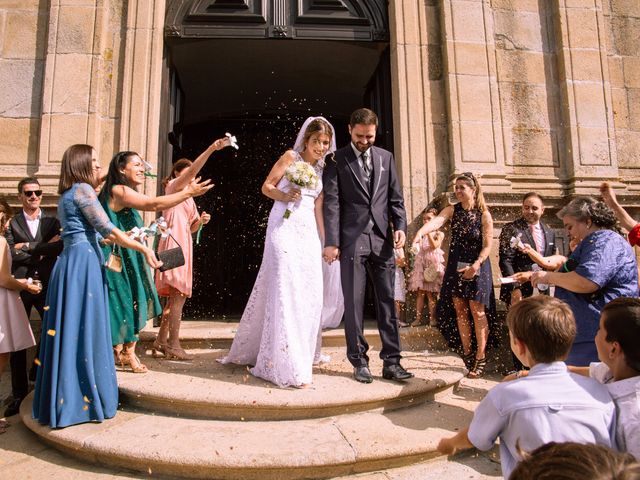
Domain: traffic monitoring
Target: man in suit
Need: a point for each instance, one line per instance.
(34, 239)
(364, 220)
(533, 232)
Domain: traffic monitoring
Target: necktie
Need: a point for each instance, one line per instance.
(538, 239)
(366, 164)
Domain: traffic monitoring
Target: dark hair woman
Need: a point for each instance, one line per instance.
(76, 379)
(132, 294)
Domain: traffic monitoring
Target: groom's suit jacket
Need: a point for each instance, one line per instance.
(349, 203)
(41, 254)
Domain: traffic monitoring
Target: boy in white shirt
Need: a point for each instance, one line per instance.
(618, 344)
(550, 404)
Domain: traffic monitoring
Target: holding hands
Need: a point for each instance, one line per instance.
(330, 254)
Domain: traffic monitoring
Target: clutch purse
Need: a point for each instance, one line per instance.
(171, 258)
(114, 261)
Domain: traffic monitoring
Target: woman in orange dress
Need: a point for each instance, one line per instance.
(177, 283)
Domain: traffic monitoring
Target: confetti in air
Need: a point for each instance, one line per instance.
(51, 333)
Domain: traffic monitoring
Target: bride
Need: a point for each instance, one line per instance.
(281, 322)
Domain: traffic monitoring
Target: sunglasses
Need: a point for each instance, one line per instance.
(28, 193)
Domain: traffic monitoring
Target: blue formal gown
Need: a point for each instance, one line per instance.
(76, 380)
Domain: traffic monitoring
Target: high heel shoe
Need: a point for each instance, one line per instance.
(131, 360)
(117, 355)
(478, 368)
(158, 347)
(178, 353)
(469, 360)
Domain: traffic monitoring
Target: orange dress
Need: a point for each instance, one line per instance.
(179, 220)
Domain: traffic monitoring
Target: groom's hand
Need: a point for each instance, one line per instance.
(330, 254)
(399, 238)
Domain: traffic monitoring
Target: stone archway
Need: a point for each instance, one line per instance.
(259, 68)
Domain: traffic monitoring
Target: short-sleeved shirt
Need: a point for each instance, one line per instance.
(548, 405)
(626, 396)
(607, 259)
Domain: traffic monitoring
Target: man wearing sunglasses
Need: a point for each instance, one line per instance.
(34, 239)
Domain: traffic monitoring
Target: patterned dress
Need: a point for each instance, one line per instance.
(465, 246)
(279, 328)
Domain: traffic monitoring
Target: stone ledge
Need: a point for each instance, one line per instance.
(317, 448)
(218, 334)
(206, 389)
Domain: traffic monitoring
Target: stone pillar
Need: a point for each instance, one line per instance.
(142, 81)
(419, 114)
(472, 96)
(587, 113)
(72, 81)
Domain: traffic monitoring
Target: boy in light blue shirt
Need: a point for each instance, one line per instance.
(550, 404)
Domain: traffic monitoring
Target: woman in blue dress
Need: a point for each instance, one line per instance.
(466, 309)
(76, 380)
(602, 267)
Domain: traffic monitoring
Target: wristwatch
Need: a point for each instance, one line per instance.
(25, 248)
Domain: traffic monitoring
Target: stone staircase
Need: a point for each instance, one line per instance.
(202, 419)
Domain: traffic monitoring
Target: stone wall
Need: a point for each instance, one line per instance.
(23, 34)
(529, 94)
(78, 71)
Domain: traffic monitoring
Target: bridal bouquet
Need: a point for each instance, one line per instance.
(303, 175)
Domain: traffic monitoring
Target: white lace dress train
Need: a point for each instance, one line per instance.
(279, 327)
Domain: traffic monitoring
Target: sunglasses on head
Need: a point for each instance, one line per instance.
(29, 193)
(470, 176)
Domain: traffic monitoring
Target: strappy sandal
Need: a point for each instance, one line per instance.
(469, 360)
(131, 360)
(176, 353)
(478, 368)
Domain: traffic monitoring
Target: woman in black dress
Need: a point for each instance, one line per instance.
(467, 290)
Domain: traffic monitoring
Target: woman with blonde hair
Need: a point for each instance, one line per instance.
(467, 290)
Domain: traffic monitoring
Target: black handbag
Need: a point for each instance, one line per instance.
(170, 258)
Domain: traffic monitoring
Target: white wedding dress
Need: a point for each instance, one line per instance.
(280, 325)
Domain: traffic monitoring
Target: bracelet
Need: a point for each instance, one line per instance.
(519, 374)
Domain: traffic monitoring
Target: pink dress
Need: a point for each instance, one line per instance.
(15, 331)
(179, 220)
(427, 257)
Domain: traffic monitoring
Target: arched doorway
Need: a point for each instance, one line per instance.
(258, 69)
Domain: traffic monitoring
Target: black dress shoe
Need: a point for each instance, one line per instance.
(362, 374)
(13, 408)
(396, 372)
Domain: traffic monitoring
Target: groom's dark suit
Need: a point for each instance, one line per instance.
(36, 259)
(358, 217)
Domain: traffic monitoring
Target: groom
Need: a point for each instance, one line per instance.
(362, 199)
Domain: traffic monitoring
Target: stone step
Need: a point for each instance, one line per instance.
(312, 448)
(24, 457)
(220, 334)
(206, 389)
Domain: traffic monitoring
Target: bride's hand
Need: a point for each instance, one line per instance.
(330, 254)
(292, 195)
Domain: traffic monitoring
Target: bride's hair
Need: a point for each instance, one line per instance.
(318, 125)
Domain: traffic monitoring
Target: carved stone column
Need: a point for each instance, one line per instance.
(419, 114)
(587, 113)
(142, 82)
